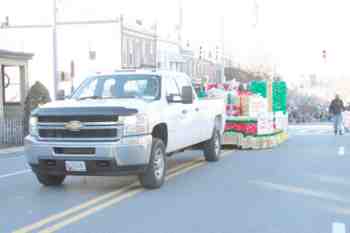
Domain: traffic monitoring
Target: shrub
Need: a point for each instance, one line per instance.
(37, 95)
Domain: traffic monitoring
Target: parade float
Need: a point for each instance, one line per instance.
(257, 116)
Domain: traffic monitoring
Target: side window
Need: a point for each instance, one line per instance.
(109, 88)
(171, 87)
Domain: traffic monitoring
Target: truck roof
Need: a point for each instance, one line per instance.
(162, 73)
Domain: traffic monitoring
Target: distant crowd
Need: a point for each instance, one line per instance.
(310, 113)
(296, 116)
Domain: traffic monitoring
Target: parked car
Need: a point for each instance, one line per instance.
(123, 123)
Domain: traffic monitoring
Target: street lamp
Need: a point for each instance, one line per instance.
(54, 51)
(222, 79)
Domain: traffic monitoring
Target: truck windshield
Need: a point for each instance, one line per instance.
(119, 86)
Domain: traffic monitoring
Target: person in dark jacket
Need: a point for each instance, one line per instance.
(335, 109)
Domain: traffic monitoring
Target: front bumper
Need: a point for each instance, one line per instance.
(128, 155)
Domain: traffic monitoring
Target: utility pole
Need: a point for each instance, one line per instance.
(122, 61)
(156, 46)
(180, 23)
(54, 51)
(222, 78)
(53, 27)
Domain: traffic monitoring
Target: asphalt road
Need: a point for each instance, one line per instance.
(300, 186)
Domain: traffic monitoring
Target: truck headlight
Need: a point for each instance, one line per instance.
(135, 125)
(33, 126)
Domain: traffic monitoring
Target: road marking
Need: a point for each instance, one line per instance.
(114, 201)
(186, 166)
(72, 210)
(15, 173)
(133, 190)
(301, 190)
(338, 227)
(9, 157)
(331, 179)
(82, 206)
(184, 170)
(341, 151)
(11, 150)
(308, 130)
(226, 153)
(92, 210)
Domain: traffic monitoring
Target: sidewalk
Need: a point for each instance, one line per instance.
(10, 150)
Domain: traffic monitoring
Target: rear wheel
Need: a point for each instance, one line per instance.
(155, 174)
(50, 180)
(212, 147)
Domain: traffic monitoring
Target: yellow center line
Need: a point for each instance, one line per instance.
(90, 211)
(87, 204)
(72, 210)
(93, 210)
(115, 196)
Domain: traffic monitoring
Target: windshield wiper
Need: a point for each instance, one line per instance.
(94, 97)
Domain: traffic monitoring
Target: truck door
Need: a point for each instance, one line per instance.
(191, 130)
(175, 120)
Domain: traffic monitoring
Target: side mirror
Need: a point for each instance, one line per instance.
(61, 95)
(187, 95)
(174, 99)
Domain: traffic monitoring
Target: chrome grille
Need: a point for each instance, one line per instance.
(84, 133)
(92, 118)
(89, 131)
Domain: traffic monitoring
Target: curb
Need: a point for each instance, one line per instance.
(11, 150)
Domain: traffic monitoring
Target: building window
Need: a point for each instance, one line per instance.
(142, 48)
(147, 51)
(151, 48)
(125, 52)
(12, 84)
(130, 53)
(144, 53)
(138, 52)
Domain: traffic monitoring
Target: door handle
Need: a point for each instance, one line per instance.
(184, 111)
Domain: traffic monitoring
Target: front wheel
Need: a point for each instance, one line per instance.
(50, 180)
(212, 147)
(154, 176)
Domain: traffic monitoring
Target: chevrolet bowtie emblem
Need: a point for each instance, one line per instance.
(73, 126)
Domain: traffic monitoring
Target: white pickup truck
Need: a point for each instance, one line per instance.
(123, 123)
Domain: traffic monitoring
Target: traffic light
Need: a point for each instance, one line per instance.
(200, 52)
(324, 54)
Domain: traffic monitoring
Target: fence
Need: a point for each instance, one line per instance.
(11, 131)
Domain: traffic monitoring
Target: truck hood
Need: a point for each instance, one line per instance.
(121, 107)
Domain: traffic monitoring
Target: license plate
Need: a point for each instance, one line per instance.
(75, 166)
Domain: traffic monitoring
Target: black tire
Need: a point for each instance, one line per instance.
(212, 147)
(50, 180)
(155, 173)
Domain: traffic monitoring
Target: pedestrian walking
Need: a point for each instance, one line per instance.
(335, 109)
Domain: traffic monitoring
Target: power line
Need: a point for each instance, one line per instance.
(63, 23)
(256, 13)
